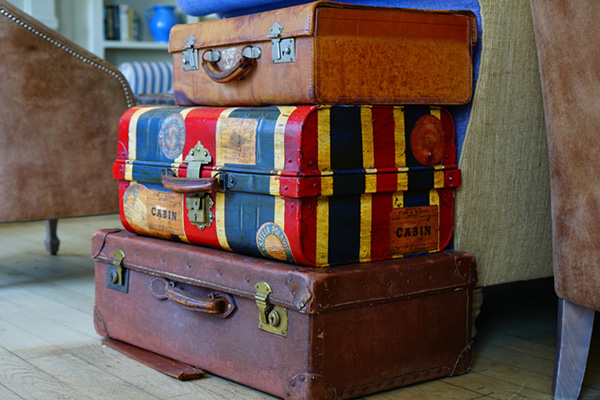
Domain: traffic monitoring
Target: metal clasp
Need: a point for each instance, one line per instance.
(117, 277)
(198, 205)
(190, 55)
(283, 50)
(272, 318)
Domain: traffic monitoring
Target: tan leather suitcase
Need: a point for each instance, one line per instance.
(326, 53)
(294, 332)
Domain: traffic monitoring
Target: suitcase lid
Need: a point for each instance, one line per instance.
(299, 151)
(301, 289)
(295, 21)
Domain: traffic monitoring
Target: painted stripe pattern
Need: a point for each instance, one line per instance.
(366, 170)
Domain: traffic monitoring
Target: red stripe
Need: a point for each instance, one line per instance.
(305, 228)
(292, 228)
(446, 216)
(301, 140)
(449, 131)
(383, 136)
(380, 226)
(201, 126)
(123, 140)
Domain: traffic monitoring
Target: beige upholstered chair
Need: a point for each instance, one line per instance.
(567, 34)
(59, 113)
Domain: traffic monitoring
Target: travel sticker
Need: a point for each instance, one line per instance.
(273, 243)
(171, 136)
(413, 230)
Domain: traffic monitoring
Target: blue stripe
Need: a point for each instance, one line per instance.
(245, 213)
(344, 229)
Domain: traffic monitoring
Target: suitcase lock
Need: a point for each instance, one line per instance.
(117, 277)
(283, 50)
(272, 318)
(198, 205)
(190, 55)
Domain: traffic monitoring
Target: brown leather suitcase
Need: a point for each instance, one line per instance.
(326, 53)
(294, 332)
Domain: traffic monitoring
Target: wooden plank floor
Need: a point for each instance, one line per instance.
(49, 349)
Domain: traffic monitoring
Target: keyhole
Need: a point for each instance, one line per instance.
(274, 318)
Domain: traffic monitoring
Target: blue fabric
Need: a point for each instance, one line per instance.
(231, 8)
(148, 77)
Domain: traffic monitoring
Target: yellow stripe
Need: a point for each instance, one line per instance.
(366, 121)
(370, 183)
(434, 200)
(366, 208)
(132, 143)
(280, 212)
(400, 137)
(403, 182)
(322, 256)
(438, 179)
(220, 155)
(398, 200)
(220, 220)
(279, 138)
(324, 139)
(274, 185)
(128, 171)
(327, 186)
(186, 111)
(436, 112)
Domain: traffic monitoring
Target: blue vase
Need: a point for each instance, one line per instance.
(161, 19)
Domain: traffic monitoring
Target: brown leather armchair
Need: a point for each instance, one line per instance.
(59, 114)
(566, 34)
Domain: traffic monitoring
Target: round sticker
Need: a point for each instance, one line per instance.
(171, 136)
(273, 243)
(427, 140)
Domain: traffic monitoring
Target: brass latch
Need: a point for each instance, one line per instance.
(190, 55)
(272, 318)
(199, 210)
(198, 205)
(283, 50)
(117, 277)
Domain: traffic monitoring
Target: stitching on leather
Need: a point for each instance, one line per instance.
(120, 79)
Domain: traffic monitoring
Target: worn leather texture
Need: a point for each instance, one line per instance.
(351, 330)
(569, 65)
(341, 57)
(59, 113)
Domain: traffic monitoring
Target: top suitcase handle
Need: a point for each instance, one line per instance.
(246, 61)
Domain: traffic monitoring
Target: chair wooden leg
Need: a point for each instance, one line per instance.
(51, 241)
(575, 324)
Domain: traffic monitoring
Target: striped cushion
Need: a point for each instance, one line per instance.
(151, 77)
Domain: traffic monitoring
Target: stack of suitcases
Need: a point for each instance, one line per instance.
(287, 223)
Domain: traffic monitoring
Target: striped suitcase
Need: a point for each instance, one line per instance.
(312, 185)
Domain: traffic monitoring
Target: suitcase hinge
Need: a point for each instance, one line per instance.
(190, 55)
(272, 318)
(283, 50)
(117, 277)
(198, 205)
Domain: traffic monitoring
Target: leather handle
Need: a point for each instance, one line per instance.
(245, 63)
(218, 304)
(190, 185)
